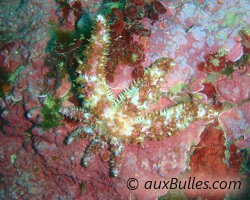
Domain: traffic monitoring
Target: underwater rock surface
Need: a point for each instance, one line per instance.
(35, 163)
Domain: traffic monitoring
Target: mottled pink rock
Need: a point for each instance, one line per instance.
(235, 89)
(195, 83)
(47, 135)
(17, 94)
(8, 147)
(122, 79)
(31, 101)
(63, 89)
(235, 122)
(34, 115)
(23, 170)
(8, 100)
(235, 51)
(11, 59)
(16, 123)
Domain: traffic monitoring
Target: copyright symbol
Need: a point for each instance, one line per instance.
(132, 184)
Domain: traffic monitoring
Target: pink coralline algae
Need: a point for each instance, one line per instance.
(236, 125)
(235, 89)
(208, 43)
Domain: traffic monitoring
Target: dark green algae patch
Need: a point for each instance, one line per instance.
(50, 114)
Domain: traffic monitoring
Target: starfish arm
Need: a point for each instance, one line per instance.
(75, 113)
(97, 50)
(91, 74)
(94, 145)
(146, 91)
(73, 135)
(116, 157)
(159, 124)
(76, 133)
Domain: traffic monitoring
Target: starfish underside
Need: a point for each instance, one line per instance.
(130, 117)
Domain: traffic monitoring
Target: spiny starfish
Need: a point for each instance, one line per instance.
(128, 118)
